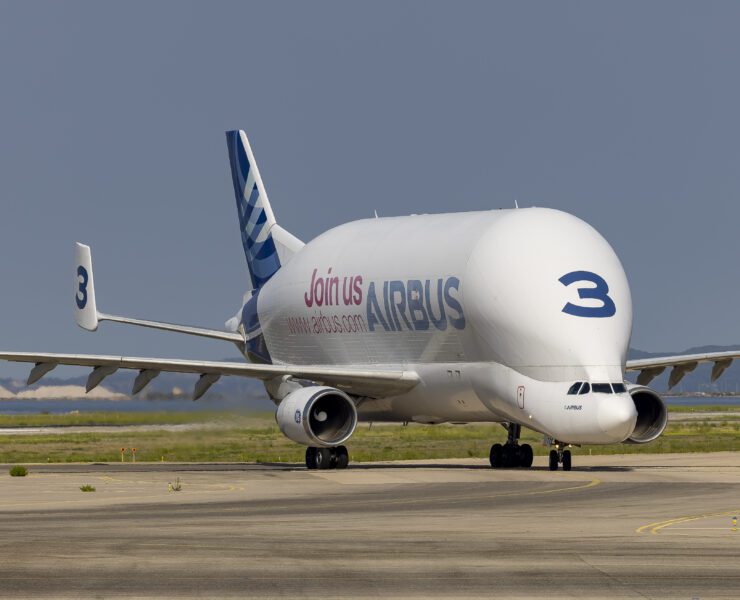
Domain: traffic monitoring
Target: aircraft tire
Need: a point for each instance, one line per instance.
(311, 458)
(324, 458)
(566, 460)
(511, 456)
(553, 460)
(526, 456)
(342, 457)
(495, 456)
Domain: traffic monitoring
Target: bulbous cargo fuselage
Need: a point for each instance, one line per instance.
(536, 292)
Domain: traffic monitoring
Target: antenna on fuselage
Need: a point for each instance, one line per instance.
(516, 204)
(376, 213)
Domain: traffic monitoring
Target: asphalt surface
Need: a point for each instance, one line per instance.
(616, 527)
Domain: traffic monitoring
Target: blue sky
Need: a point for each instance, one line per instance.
(111, 132)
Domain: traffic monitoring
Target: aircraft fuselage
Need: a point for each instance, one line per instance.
(499, 312)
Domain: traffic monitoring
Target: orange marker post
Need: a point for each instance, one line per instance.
(133, 453)
(123, 450)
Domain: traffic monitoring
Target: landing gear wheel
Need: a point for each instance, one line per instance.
(566, 460)
(510, 456)
(311, 458)
(495, 456)
(554, 460)
(341, 457)
(526, 456)
(506, 456)
(324, 458)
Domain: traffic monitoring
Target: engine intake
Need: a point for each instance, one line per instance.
(652, 415)
(317, 416)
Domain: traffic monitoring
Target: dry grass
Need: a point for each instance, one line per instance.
(240, 438)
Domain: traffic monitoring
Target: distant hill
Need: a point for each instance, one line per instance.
(240, 391)
(252, 393)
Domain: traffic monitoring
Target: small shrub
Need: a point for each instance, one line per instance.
(87, 488)
(18, 471)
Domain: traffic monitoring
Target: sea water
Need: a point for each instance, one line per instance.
(25, 407)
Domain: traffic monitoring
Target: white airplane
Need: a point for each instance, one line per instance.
(521, 317)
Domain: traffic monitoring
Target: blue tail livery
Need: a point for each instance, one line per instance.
(255, 215)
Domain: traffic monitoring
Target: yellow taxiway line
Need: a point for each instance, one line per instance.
(658, 525)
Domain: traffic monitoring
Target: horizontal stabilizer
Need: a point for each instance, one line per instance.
(199, 331)
(88, 317)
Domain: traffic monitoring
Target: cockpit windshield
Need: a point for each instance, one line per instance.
(583, 387)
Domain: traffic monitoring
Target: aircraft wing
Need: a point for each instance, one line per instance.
(650, 368)
(372, 383)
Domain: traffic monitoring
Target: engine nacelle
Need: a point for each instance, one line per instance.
(317, 416)
(652, 415)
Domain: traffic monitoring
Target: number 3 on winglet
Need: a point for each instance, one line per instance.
(81, 296)
(600, 292)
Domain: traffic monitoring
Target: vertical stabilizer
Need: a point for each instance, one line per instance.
(255, 215)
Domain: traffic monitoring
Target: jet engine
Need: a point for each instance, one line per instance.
(317, 416)
(652, 415)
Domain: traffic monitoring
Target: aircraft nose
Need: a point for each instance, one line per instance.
(617, 416)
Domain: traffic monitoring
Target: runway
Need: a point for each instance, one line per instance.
(655, 526)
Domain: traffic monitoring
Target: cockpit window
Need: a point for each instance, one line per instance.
(583, 387)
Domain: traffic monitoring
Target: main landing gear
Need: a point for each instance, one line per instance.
(327, 458)
(559, 456)
(511, 454)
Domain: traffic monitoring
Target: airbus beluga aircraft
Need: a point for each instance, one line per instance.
(521, 317)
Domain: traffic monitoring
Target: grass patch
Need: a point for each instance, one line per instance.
(75, 419)
(730, 408)
(256, 438)
(87, 488)
(18, 471)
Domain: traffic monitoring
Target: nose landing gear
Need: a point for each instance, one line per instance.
(559, 456)
(327, 458)
(511, 454)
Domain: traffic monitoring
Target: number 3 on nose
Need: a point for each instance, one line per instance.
(600, 292)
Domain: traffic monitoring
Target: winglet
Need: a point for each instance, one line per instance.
(86, 313)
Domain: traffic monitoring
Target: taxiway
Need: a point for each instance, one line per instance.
(650, 526)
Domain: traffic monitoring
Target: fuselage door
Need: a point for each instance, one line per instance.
(520, 396)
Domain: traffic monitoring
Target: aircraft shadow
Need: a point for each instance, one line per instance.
(446, 466)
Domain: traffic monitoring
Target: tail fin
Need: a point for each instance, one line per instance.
(256, 220)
